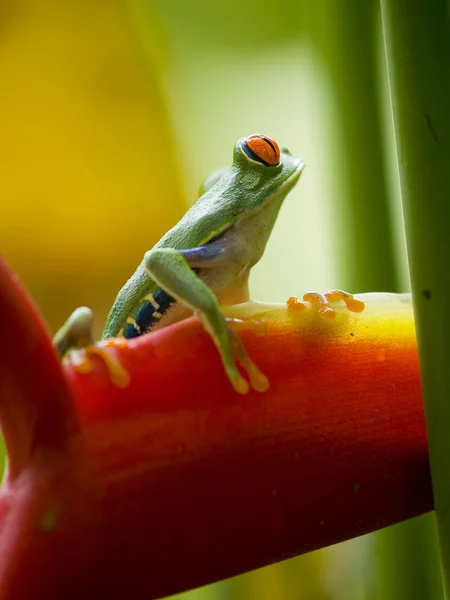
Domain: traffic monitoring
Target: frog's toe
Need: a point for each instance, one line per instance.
(258, 381)
(240, 384)
(81, 360)
(322, 302)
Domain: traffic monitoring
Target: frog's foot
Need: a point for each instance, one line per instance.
(322, 302)
(81, 360)
(258, 381)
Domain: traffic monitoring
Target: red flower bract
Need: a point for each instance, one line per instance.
(176, 481)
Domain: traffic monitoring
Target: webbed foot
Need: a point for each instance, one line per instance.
(81, 360)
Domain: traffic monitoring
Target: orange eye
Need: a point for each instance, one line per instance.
(262, 149)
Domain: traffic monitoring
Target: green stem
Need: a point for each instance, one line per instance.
(345, 33)
(404, 570)
(418, 54)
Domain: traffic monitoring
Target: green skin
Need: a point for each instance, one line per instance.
(222, 236)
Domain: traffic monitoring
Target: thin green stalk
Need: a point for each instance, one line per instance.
(345, 34)
(418, 53)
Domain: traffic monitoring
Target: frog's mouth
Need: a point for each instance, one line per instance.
(284, 188)
(294, 177)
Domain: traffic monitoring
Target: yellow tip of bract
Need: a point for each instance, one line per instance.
(381, 320)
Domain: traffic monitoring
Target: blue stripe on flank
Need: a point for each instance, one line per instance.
(145, 318)
(130, 332)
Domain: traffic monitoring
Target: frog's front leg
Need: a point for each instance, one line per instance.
(170, 269)
(76, 333)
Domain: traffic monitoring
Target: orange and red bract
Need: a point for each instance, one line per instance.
(177, 481)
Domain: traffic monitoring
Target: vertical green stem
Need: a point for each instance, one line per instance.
(345, 34)
(404, 570)
(418, 54)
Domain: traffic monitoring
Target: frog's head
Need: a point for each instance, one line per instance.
(264, 169)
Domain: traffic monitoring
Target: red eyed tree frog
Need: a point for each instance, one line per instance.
(205, 260)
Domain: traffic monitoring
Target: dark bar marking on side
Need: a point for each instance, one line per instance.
(147, 316)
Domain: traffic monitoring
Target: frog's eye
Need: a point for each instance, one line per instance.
(263, 149)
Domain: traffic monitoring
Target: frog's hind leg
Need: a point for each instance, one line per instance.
(171, 271)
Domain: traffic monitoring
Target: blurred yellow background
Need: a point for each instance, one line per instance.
(112, 112)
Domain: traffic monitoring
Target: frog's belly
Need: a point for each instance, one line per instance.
(177, 312)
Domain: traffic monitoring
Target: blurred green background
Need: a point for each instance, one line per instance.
(112, 114)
